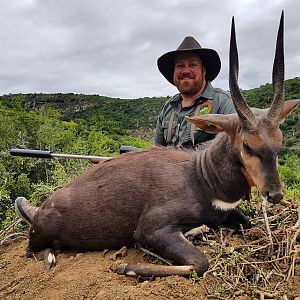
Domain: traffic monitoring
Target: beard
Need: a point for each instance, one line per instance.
(189, 88)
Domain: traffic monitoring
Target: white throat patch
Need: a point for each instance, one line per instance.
(222, 205)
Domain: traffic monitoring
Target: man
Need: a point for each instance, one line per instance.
(191, 69)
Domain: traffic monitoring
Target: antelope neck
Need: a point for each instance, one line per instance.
(248, 177)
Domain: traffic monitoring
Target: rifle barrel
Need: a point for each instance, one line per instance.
(75, 156)
(49, 154)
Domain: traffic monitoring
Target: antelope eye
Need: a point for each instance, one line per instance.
(247, 148)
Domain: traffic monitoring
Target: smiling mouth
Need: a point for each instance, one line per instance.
(186, 78)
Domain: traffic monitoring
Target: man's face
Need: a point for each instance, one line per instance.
(189, 74)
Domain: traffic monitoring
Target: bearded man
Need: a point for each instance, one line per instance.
(191, 69)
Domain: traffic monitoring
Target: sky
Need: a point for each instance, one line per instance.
(111, 47)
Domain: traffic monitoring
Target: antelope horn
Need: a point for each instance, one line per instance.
(245, 114)
(275, 110)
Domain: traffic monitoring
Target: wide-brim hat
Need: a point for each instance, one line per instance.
(210, 59)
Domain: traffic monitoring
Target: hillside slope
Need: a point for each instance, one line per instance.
(135, 114)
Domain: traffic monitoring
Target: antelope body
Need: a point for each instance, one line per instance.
(154, 196)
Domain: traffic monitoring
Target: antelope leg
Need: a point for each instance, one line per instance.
(170, 244)
(147, 270)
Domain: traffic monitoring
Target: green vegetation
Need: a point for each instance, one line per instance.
(290, 175)
(262, 97)
(97, 125)
(45, 128)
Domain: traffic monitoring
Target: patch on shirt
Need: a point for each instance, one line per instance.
(205, 108)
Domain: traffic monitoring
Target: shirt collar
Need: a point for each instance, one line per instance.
(208, 91)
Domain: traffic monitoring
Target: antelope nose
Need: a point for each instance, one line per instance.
(275, 197)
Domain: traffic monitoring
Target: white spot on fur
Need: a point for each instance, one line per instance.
(52, 204)
(50, 258)
(131, 273)
(222, 205)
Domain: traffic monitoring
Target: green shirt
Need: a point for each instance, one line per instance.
(212, 100)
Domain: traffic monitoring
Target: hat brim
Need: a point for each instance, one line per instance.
(209, 57)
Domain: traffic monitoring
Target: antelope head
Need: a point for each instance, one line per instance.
(255, 132)
(259, 139)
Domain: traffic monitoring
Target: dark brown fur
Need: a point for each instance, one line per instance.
(146, 197)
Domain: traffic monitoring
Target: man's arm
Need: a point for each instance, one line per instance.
(159, 139)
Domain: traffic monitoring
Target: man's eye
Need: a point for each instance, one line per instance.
(247, 148)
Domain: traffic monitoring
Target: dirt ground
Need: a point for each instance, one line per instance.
(90, 276)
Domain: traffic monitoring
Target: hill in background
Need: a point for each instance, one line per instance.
(141, 114)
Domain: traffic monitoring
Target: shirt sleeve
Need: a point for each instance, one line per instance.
(159, 138)
(226, 105)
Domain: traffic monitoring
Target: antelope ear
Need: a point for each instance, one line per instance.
(215, 123)
(288, 107)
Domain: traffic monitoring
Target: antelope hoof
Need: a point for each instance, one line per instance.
(197, 231)
(47, 256)
(121, 269)
(49, 261)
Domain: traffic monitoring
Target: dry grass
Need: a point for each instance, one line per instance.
(250, 261)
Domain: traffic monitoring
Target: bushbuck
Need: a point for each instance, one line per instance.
(154, 196)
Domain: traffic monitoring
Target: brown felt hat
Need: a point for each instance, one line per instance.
(210, 59)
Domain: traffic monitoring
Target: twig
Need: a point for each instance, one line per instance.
(264, 210)
(264, 294)
(16, 234)
(279, 215)
(264, 262)
(222, 239)
(154, 255)
(6, 230)
(250, 244)
(243, 232)
(239, 276)
(297, 224)
(218, 264)
(215, 297)
(260, 248)
(291, 271)
(293, 241)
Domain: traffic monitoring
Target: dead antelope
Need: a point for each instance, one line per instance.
(154, 196)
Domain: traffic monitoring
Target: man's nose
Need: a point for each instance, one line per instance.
(186, 71)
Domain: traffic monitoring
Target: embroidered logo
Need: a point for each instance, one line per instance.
(205, 108)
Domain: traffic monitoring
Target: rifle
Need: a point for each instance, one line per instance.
(50, 154)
